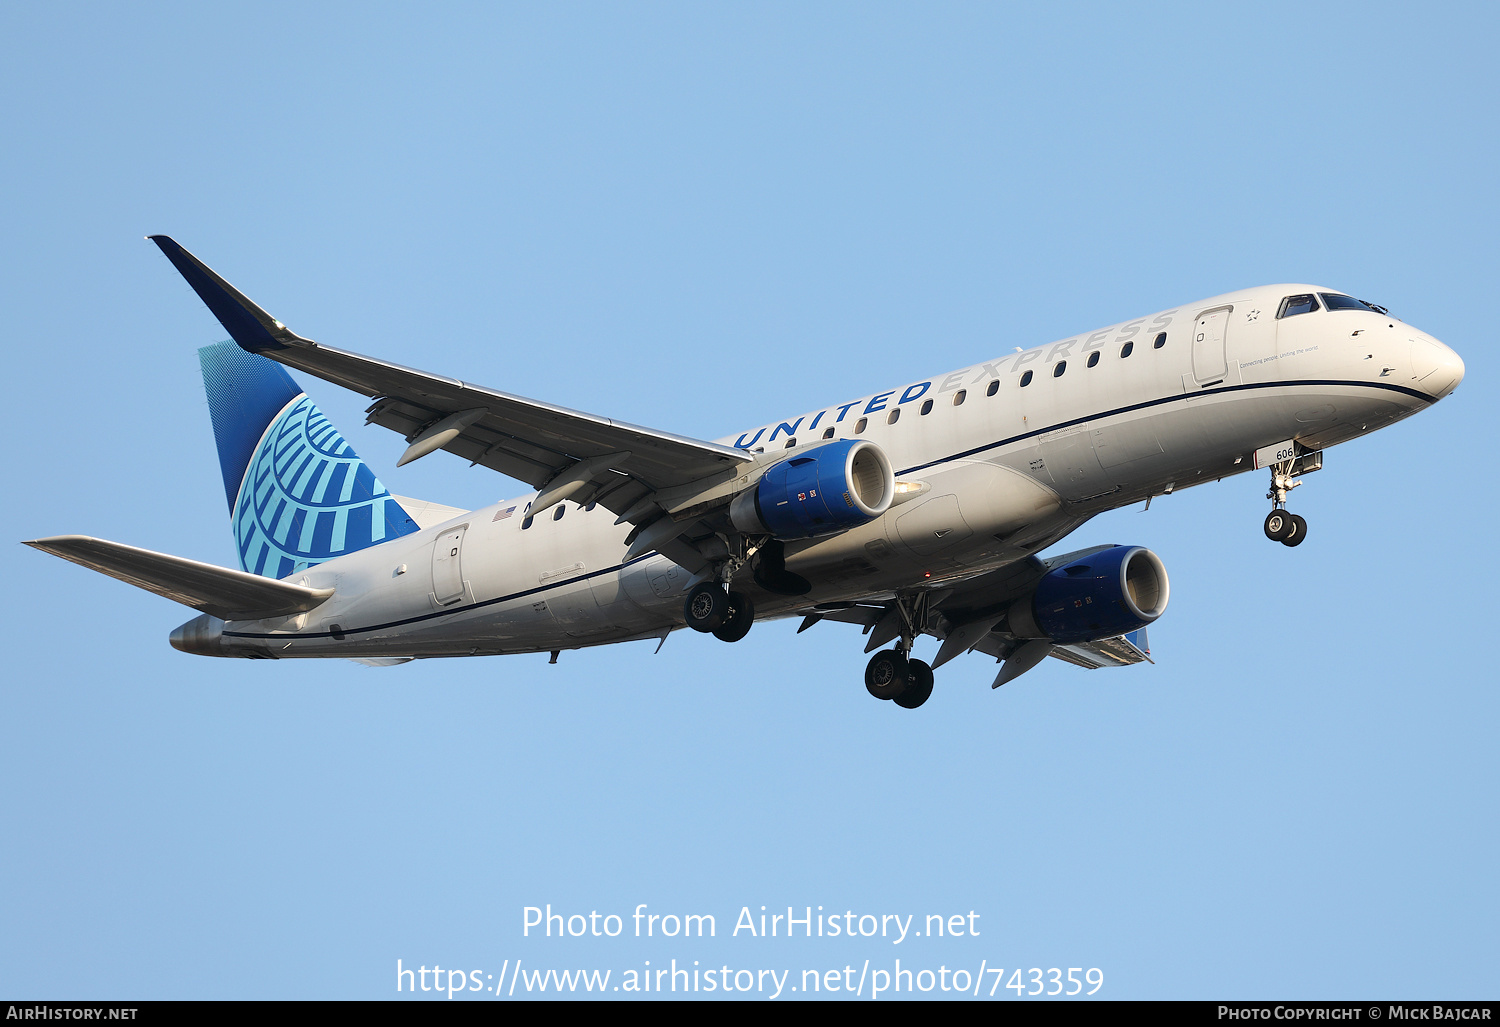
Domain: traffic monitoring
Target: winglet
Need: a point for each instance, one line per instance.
(249, 325)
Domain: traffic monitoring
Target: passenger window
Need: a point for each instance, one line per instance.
(790, 442)
(895, 415)
(1303, 304)
(1025, 379)
(994, 388)
(561, 509)
(526, 523)
(1161, 340)
(1057, 372)
(590, 507)
(1126, 350)
(959, 397)
(859, 427)
(828, 433)
(926, 408)
(1093, 358)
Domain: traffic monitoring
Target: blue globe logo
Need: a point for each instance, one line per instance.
(307, 497)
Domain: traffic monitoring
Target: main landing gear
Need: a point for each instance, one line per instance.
(892, 673)
(712, 609)
(1282, 525)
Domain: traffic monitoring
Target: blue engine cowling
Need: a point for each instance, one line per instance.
(1103, 594)
(823, 491)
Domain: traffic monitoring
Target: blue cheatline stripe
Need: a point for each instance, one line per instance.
(444, 613)
(1159, 402)
(933, 463)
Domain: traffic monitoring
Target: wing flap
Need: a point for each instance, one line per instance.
(1120, 651)
(216, 591)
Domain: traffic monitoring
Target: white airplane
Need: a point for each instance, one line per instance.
(919, 510)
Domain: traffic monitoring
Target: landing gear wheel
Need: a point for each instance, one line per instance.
(706, 607)
(1279, 525)
(741, 616)
(1298, 533)
(886, 674)
(918, 687)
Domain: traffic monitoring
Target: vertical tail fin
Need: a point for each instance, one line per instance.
(298, 494)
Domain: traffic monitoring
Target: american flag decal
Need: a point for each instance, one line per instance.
(500, 515)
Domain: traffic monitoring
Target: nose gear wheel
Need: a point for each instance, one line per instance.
(1298, 532)
(1281, 524)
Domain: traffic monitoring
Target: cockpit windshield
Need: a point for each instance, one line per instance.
(1337, 301)
(1304, 304)
(1307, 302)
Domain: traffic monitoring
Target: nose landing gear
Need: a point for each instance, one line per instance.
(1281, 524)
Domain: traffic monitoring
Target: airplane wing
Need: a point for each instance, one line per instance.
(217, 591)
(564, 453)
(971, 617)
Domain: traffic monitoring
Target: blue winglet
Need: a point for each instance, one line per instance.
(247, 324)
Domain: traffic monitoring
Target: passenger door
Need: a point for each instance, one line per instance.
(1210, 342)
(447, 566)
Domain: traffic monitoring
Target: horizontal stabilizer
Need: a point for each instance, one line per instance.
(217, 591)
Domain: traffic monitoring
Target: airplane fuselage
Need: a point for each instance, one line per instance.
(997, 461)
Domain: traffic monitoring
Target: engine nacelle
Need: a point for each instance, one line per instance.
(826, 490)
(1101, 595)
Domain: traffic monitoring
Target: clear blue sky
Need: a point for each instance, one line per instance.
(699, 217)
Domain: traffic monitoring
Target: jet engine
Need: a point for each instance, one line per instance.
(1102, 594)
(823, 491)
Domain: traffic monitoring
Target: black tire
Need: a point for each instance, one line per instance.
(706, 606)
(741, 616)
(1299, 532)
(886, 674)
(918, 687)
(1279, 525)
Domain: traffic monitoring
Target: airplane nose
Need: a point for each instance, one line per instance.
(1436, 368)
